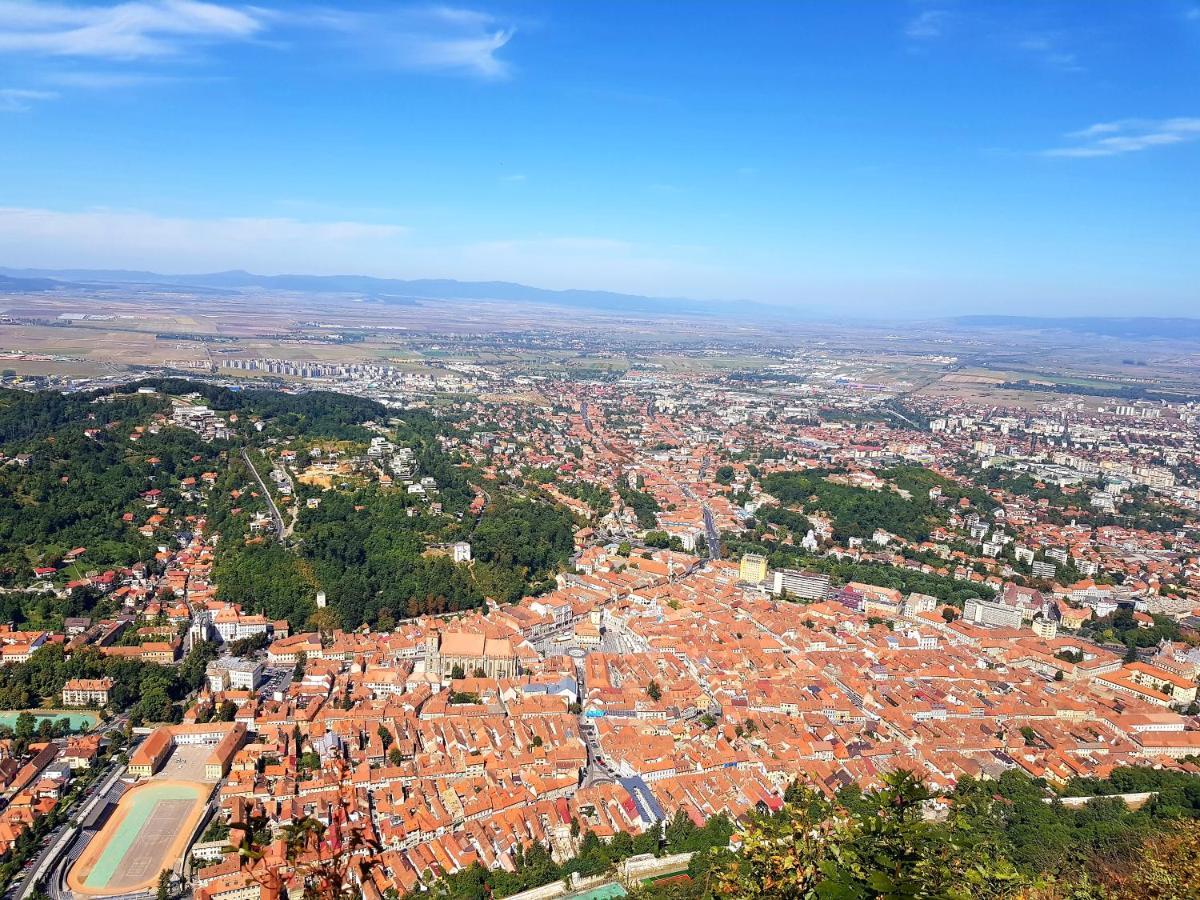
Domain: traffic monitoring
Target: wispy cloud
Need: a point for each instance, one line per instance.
(96, 45)
(20, 99)
(104, 81)
(124, 31)
(1127, 136)
(1039, 38)
(928, 25)
(438, 39)
(513, 179)
(1048, 49)
(144, 239)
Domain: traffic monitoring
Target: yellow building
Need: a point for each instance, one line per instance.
(753, 568)
(151, 753)
(216, 766)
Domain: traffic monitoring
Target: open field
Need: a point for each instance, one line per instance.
(104, 331)
(147, 833)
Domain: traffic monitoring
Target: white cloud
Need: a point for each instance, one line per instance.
(103, 81)
(108, 41)
(438, 39)
(1048, 50)
(1127, 136)
(927, 25)
(124, 31)
(108, 238)
(20, 99)
(513, 179)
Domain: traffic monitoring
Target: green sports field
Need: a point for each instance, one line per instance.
(144, 836)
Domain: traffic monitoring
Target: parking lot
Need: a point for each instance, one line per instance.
(275, 680)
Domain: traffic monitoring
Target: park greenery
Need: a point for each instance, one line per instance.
(595, 495)
(1119, 627)
(857, 512)
(843, 571)
(644, 505)
(152, 692)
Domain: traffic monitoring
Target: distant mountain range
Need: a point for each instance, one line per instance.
(1135, 327)
(404, 292)
(387, 290)
(25, 285)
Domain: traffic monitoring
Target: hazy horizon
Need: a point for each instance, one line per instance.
(902, 159)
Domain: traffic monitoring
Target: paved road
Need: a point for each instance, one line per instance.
(278, 519)
(595, 773)
(712, 536)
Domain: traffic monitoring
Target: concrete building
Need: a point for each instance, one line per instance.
(151, 753)
(234, 674)
(987, 612)
(804, 585)
(753, 568)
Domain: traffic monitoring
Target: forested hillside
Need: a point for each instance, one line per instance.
(90, 471)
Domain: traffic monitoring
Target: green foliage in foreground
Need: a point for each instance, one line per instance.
(992, 839)
(535, 867)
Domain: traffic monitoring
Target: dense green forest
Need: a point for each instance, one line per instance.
(266, 578)
(367, 553)
(366, 549)
(322, 414)
(520, 544)
(918, 481)
(31, 416)
(83, 473)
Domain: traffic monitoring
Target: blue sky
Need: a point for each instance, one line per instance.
(873, 158)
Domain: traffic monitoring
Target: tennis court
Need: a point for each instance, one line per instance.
(147, 833)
